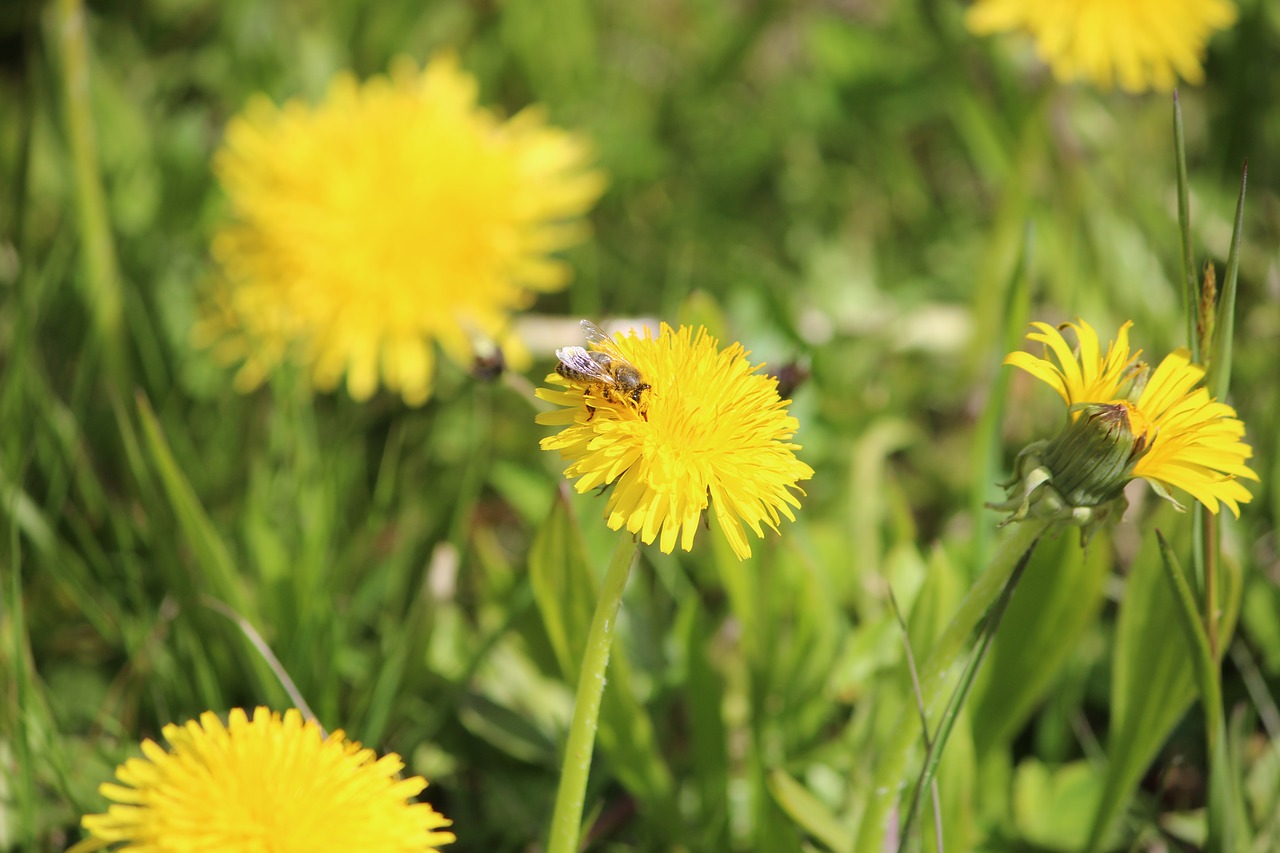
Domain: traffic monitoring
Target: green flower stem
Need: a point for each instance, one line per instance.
(566, 822)
(947, 652)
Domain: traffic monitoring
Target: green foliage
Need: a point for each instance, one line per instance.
(865, 189)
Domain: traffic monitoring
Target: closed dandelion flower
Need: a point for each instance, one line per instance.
(706, 430)
(393, 217)
(1165, 429)
(1136, 44)
(268, 785)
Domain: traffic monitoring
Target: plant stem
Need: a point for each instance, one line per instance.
(890, 774)
(566, 822)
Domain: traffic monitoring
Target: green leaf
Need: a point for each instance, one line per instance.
(708, 739)
(809, 812)
(1057, 601)
(211, 552)
(1153, 678)
(564, 586)
(1151, 687)
(1051, 806)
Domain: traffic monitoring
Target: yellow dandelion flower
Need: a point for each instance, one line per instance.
(394, 216)
(709, 430)
(1087, 379)
(1173, 435)
(1137, 44)
(1192, 442)
(266, 785)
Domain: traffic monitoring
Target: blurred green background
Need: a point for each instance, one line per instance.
(847, 184)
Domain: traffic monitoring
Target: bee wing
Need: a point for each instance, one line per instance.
(603, 341)
(580, 361)
(595, 334)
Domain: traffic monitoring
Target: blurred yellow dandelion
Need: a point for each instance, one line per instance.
(394, 216)
(1174, 434)
(708, 429)
(1136, 44)
(268, 785)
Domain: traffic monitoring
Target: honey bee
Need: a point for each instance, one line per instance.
(603, 370)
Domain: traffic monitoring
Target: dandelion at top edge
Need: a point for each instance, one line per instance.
(1134, 44)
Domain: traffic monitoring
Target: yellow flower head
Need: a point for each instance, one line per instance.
(710, 429)
(393, 216)
(1088, 379)
(1179, 437)
(266, 785)
(1138, 44)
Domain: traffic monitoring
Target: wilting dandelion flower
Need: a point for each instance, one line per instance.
(392, 217)
(1165, 430)
(266, 784)
(709, 430)
(1138, 44)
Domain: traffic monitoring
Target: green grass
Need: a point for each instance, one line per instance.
(868, 189)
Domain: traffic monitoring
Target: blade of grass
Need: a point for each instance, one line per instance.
(933, 754)
(1202, 660)
(808, 811)
(987, 434)
(924, 719)
(889, 774)
(26, 784)
(268, 656)
(1191, 290)
(1222, 794)
(1219, 381)
(211, 552)
(101, 274)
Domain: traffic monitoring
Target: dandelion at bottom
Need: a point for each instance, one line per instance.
(710, 430)
(272, 783)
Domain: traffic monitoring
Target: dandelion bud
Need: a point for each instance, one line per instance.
(1090, 460)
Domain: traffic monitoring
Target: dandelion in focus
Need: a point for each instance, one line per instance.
(1125, 422)
(706, 429)
(395, 216)
(272, 783)
(1136, 44)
